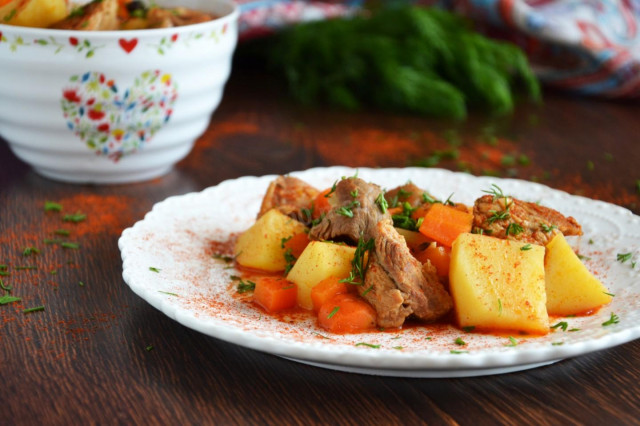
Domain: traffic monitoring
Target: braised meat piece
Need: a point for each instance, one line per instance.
(427, 299)
(99, 15)
(290, 195)
(176, 17)
(355, 214)
(394, 284)
(383, 294)
(506, 217)
(407, 193)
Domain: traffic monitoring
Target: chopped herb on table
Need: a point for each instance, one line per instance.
(75, 218)
(34, 309)
(8, 299)
(50, 206)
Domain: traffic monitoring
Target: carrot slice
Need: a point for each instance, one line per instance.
(322, 204)
(346, 313)
(325, 290)
(438, 255)
(443, 224)
(297, 243)
(275, 293)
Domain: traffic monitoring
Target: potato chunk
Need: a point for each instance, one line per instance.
(571, 288)
(320, 260)
(33, 13)
(496, 284)
(260, 246)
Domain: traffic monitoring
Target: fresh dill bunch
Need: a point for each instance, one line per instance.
(424, 61)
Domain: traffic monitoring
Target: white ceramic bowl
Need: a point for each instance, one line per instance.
(113, 106)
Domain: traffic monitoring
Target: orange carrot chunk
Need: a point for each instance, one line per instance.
(322, 204)
(325, 290)
(438, 255)
(297, 243)
(443, 224)
(346, 313)
(275, 293)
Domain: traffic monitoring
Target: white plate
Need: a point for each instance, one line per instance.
(176, 238)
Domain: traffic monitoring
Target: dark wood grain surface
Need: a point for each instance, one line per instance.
(100, 354)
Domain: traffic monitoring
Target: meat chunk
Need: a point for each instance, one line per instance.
(176, 17)
(356, 213)
(427, 298)
(385, 297)
(407, 193)
(508, 218)
(395, 284)
(99, 15)
(291, 196)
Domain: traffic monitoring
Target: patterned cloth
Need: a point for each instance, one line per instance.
(590, 47)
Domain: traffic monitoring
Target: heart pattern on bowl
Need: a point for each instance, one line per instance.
(115, 124)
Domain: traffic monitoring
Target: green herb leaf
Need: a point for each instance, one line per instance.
(333, 312)
(612, 320)
(246, 286)
(459, 341)
(50, 206)
(623, 257)
(369, 345)
(28, 251)
(547, 228)
(75, 218)
(382, 203)
(469, 328)
(512, 341)
(223, 257)
(526, 247)
(8, 299)
(514, 229)
(562, 325)
(152, 269)
(34, 309)
(5, 287)
(290, 260)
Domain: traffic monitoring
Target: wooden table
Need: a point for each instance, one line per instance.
(98, 353)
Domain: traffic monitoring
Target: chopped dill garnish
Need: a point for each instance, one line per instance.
(562, 325)
(382, 202)
(245, 286)
(34, 309)
(333, 312)
(623, 257)
(8, 299)
(223, 257)
(496, 191)
(369, 345)
(514, 229)
(75, 218)
(614, 319)
(28, 251)
(50, 206)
